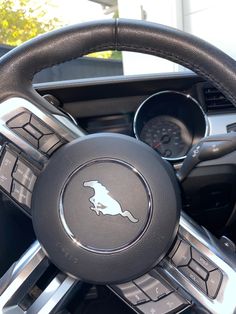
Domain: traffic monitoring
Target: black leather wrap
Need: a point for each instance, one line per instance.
(19, 65)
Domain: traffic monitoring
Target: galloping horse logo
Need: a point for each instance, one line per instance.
(104, 203)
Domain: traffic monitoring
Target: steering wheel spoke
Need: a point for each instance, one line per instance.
(34, 285)
(197, 269)
(114, 203)
(151, 294)
(30, 134)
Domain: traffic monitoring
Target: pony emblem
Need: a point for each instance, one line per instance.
(104, 203)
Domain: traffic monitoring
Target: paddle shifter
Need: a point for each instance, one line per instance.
(211, 147)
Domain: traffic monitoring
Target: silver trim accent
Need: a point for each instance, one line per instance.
(21, 271)
(107, 251)
(60, 124)
(218, 123)
(53, 295)
(71, 126)
(200, 239)
(23, 274)
(178, 93)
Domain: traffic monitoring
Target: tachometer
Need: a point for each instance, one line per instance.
(167, 135)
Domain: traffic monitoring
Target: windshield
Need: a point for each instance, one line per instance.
(21, 20)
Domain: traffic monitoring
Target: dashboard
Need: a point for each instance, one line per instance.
(169, 112)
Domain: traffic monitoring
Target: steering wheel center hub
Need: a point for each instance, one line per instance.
(97, 209)
(110, 213)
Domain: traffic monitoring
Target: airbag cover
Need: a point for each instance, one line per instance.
(106, 208)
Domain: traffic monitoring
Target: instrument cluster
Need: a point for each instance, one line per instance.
(171, 123)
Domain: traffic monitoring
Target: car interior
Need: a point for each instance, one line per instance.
(118, 193)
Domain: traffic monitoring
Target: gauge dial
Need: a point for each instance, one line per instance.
(170, 122)
(167, 135)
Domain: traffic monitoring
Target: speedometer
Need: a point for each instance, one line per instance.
(170, 122)
(167, 135)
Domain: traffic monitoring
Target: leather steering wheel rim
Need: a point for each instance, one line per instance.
(18, 68)
(20, 65)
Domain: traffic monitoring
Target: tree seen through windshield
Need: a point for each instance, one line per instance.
(211, 20)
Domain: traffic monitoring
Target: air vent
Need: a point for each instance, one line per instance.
(215, 100)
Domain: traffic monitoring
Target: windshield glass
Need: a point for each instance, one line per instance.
(21, 20)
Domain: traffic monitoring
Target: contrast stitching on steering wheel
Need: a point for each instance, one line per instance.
(157, 52)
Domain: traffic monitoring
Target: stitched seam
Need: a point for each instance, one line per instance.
(99, 47)
(158, 52)
(177, 59)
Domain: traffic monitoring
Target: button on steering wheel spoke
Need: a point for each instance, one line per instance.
(30, 145)
(151, 293)
(30, 135)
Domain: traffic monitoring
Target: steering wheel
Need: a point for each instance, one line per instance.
(106, 208)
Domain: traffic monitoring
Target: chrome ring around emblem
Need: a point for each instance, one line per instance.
(103, 203)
